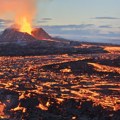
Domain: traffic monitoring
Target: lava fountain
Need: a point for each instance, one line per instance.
(25, 25)
(21, 12)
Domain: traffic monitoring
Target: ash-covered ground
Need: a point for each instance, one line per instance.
(71, 86)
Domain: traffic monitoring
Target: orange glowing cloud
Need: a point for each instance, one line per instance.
(22, 11)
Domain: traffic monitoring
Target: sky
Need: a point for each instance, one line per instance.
(84, 20)
(80, 11)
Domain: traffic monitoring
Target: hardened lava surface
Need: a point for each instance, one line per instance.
(60, 87)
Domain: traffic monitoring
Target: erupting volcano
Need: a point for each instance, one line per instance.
(22, 13)
(24, 36)
(22, 32)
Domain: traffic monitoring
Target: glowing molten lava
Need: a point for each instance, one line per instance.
(25, 25)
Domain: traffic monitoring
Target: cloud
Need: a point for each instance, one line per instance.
(41, 21)
(105, 26)
(69, 28)
(3, 21)
(107, 18)
(85, 32)
(44, 20)
(47, 19)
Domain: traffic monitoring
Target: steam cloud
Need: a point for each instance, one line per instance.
(15, 9)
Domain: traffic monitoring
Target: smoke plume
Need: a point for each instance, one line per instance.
(17, 9)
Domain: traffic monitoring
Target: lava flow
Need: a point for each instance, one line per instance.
(60, 86)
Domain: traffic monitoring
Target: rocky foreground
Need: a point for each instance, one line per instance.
(70, 86)
(42, 107)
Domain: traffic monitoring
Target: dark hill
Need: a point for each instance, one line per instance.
(15, 43)
(14, 36)
(40, 34)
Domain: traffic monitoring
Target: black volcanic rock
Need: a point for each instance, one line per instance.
(40, 34)
(9, 98)
(14, 36)
(15, 43)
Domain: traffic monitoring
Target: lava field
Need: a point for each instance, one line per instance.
(61, 87)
